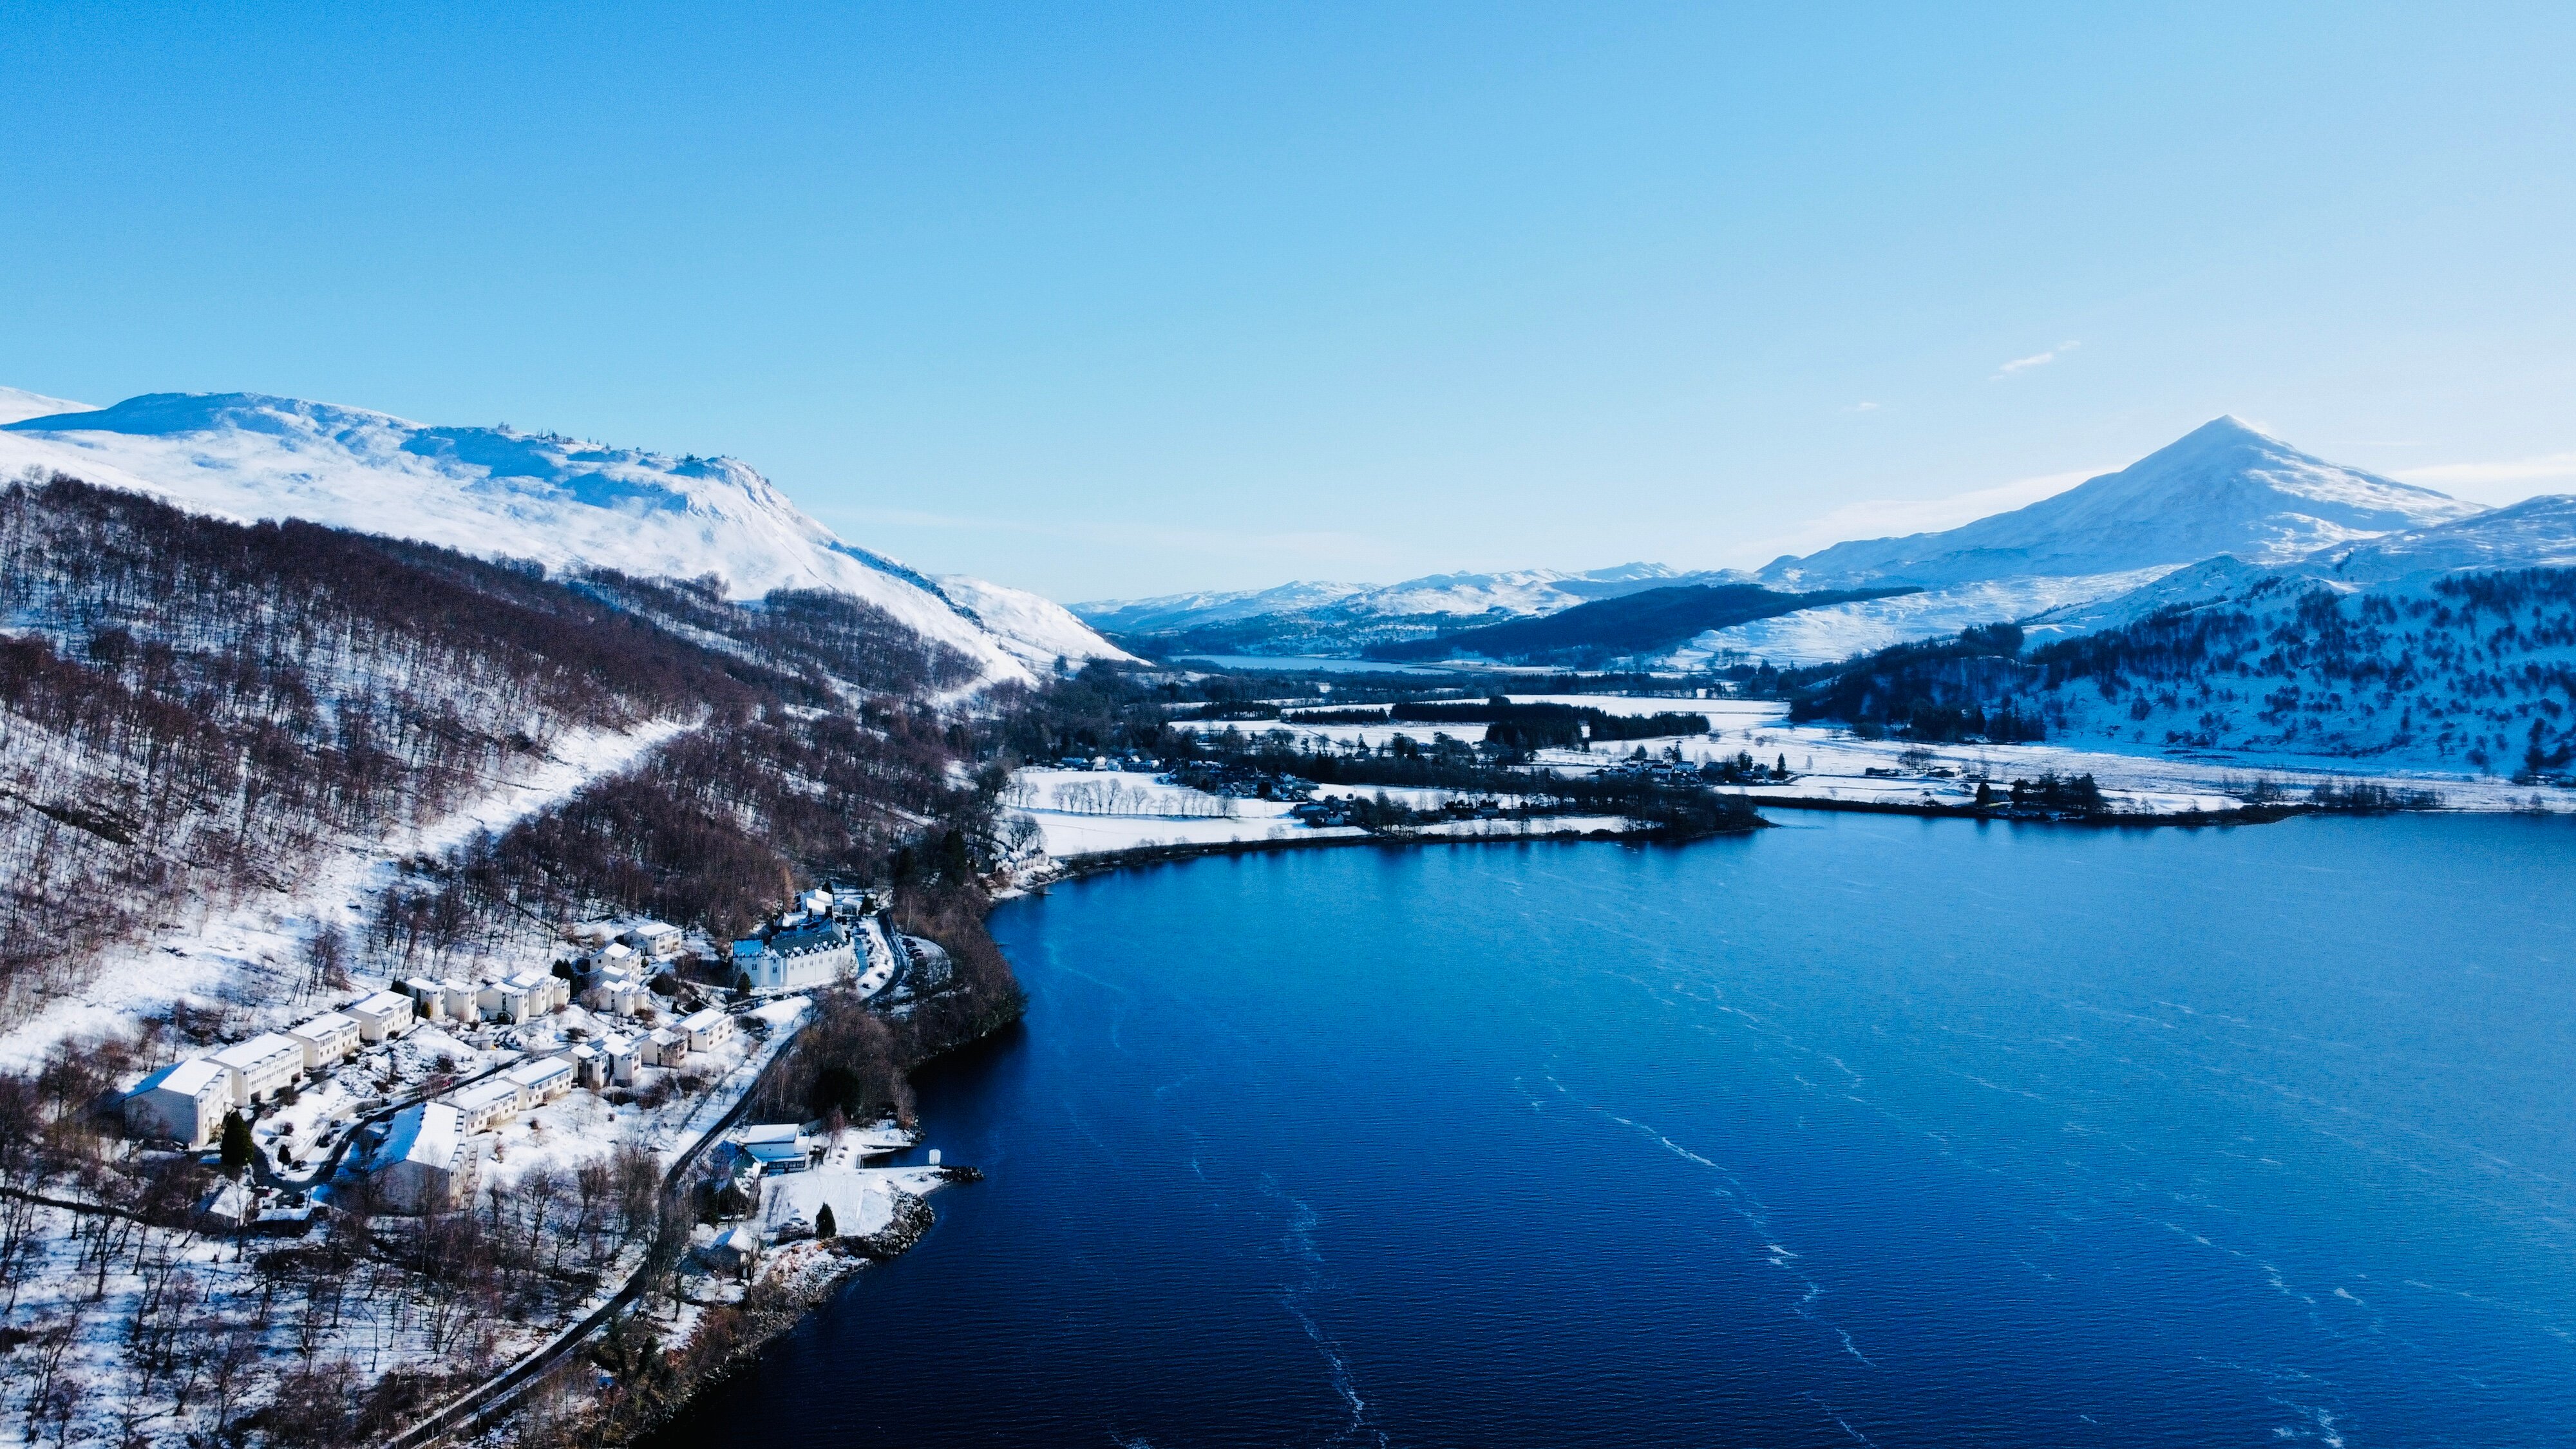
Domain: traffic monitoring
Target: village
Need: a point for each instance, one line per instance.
(549, 1119)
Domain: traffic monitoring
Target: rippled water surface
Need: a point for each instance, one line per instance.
(1862, 1130)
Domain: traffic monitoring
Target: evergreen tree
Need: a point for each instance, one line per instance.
(237, 1146)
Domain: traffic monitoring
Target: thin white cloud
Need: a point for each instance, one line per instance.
(2507, 481)
(2036, 359)
(1896, 517)
(2519, 470)
(1862, 407)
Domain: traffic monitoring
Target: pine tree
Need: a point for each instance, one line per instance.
(237, 1146)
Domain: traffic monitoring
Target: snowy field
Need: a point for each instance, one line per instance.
(1834, 764)
(1831, 764)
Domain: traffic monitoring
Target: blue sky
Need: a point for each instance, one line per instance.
(1111, 301)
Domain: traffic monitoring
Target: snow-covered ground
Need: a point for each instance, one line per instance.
(1833, 764)
(1839, 631)
(247, 955)
(1086, 812)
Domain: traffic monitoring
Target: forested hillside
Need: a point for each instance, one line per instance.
(192, 710)
(2471, 670)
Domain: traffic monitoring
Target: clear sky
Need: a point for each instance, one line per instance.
(1108, 301)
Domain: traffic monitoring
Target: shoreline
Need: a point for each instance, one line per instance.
(1072, 867)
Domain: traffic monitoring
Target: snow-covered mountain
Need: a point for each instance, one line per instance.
(2222, 488)
(2225, 488)
(499, 491)
(1308, 617)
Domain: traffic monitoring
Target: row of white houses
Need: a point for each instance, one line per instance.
(186, 1101)
(511, 999)
(432, 1157)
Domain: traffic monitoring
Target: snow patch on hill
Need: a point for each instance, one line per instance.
(17, 404)
(1839, 631)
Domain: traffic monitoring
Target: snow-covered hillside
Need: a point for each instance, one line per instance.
(18, 403)
(1039, 631)
(2449, 647)
(496, 491)
(2223, 488)
(1839, 631)
(2535, 533)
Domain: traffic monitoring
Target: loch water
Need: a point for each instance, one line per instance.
(1859, 1130)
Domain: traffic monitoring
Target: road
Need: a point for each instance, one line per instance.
(495, 1393)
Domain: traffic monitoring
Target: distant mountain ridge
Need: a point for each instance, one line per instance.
(500, 491)
(2225, 488)
(1329, 618)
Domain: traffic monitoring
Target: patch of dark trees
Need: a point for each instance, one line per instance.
(1520, 729)
(1649, 622)
(1967, 687)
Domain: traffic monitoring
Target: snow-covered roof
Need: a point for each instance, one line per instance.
(539, 1072)
(484, 1094)
(703, 1020)
(790, 1201)
(189, 1078)
(258, 1051)
(822, 936)
(382, 1003)
(432, 1133)
(327, 1024)
(771, 1132)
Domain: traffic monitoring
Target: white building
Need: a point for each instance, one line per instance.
(185, 1101)
(487, 1104)
(430, 1161)
(546, 991)
(798, 960)
(261, 1067)
(427, 1001)
(614, 993)
(589, 1066)
(456, 1000)
(502, 1001)
(707, 1030)
(541, 1081)
(618, 1050)
(664, 1048)
(658, 940)
(382, 1015)
(327, 1040)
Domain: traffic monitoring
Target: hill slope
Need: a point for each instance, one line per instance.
(2448, 647)
(1641, 624)
(491, 491)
